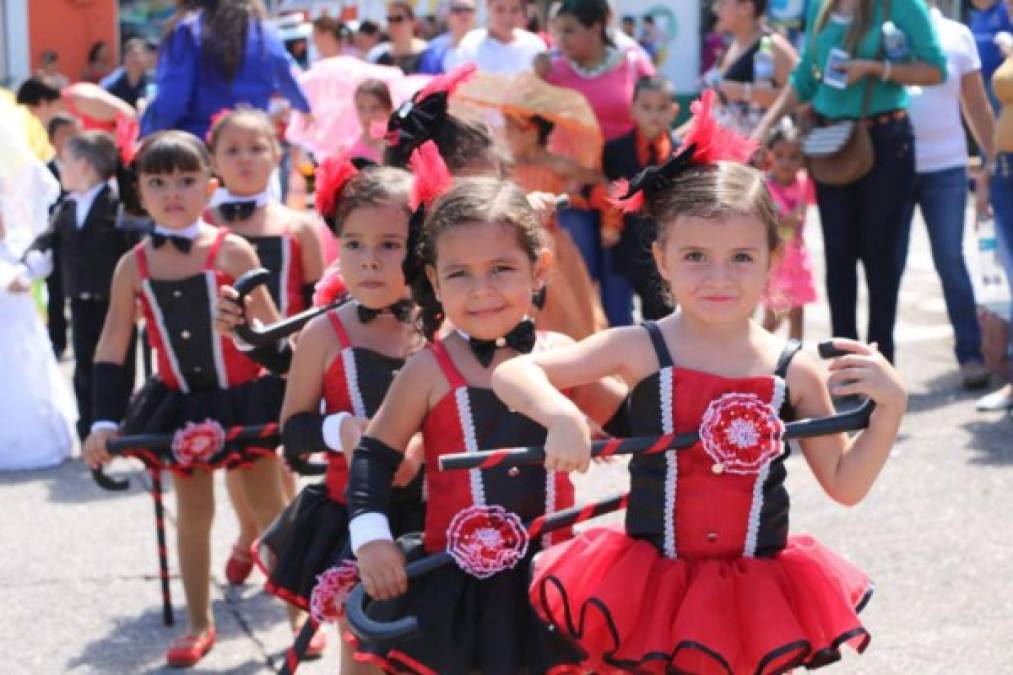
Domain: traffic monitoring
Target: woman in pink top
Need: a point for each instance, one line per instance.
(589, 62)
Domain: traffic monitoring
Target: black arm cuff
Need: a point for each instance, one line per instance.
(307, 294)
(271, 357)
(370, 476)
(303, 433)
(110, 391)
(618, 425)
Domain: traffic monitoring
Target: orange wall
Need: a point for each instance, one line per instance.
(70, 28)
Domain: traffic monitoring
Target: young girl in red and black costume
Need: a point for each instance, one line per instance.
(244, 154)
(484, 260)
(204, 384)
(705, 578)
(347, 358)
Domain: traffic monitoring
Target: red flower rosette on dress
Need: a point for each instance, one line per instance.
(486, 540)
(741, 433)
(198, 442)
(327, 601)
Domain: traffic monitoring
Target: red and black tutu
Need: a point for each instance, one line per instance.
(157, 409)
(629, 608)
(467, 625)
(311, 536)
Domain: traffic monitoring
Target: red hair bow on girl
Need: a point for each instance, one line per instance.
(213, 122)
(332, 176)
(706, 143)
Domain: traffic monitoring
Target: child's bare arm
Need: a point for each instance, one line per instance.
(847, 468)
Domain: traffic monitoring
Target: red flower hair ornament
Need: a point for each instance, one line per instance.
(706, 143)
(332, 176)
(198, 442)
(486, 540)
(327, 601)
(214, 121)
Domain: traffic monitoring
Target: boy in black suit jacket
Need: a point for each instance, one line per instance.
(60, 129)
(650, 142)
(84, 238)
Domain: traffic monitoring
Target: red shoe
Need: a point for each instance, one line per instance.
(187, 650)
(239, 566)
(315, 649)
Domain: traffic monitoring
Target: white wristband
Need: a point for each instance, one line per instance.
(332, 430)
(368, 527)
(104, 425)
(885, 77)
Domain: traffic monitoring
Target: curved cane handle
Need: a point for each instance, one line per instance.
(107, 483)
(304, 467)
(371, 630)
(268, 335)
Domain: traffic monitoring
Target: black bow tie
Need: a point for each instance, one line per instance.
(521, 338)
(182, 244)
(233, 211)
(401, 310)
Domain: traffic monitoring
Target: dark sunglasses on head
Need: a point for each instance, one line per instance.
(396, 19)
(462, 9)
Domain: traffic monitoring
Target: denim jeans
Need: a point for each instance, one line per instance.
(1002, 205)
(616, 294)
(862, 221)
(942, 197)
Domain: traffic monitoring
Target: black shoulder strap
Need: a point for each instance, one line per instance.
(784, 360)
(660, 348)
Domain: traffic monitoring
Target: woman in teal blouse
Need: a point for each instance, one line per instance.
(862, 221)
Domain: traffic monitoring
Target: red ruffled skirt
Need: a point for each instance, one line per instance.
(629, 608)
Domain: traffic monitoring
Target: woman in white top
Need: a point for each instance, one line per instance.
(502, 47)
(941, 180)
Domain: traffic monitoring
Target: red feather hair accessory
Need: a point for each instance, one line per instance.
(332, 176)
(715, 143)
(432, 177)
(448, 82)
(706, 143)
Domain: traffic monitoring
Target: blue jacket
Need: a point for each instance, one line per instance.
(190, 88)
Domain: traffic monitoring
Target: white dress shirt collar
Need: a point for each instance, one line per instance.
(83, 203)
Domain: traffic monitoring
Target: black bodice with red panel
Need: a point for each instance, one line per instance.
(355, 382)
(469, 419)
(679, 501)
(180, 314)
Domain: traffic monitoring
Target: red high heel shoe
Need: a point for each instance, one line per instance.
(187, 650)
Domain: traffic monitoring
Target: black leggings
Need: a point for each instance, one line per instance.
(862, 221)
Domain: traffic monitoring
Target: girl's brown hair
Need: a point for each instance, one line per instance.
(246, 114)
(714, 191)
(169, 151)
(378, 89)
(472, 200)
(372, 186)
